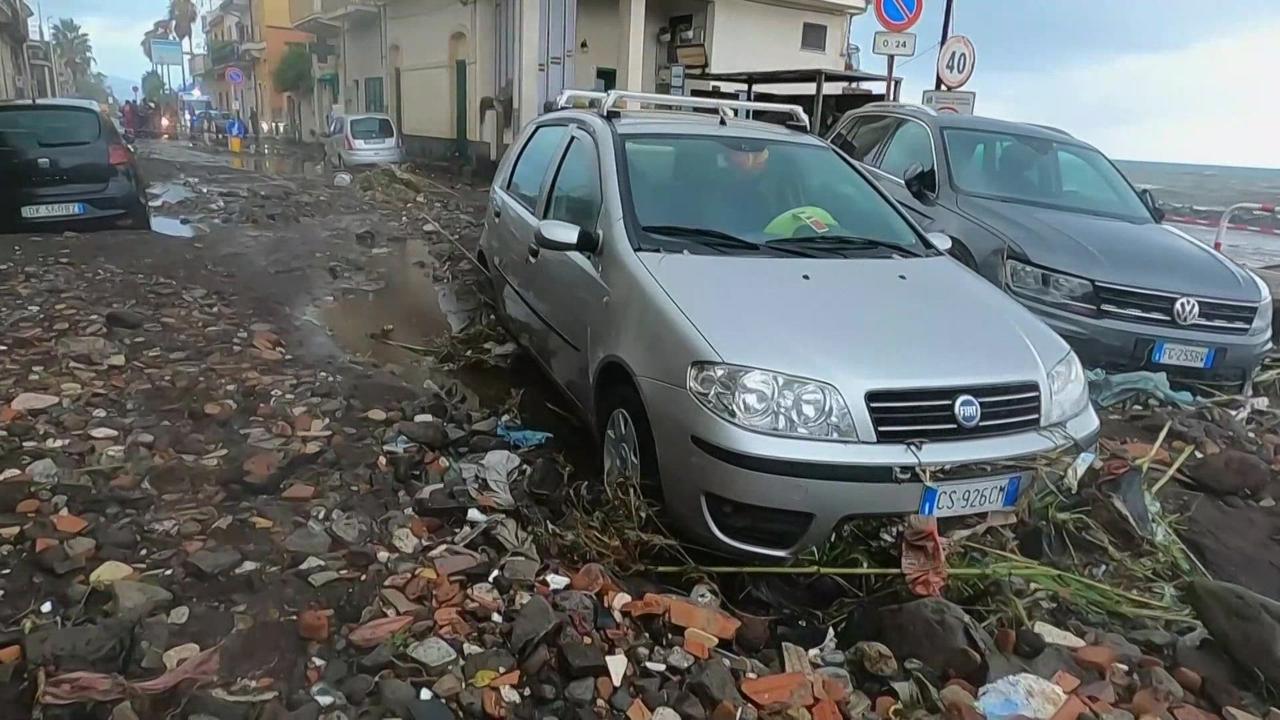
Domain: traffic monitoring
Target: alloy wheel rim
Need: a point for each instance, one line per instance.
(621, 449)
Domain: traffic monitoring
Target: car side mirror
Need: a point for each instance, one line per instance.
(919, 182)
(564, 237)
(1149, 199)
(942, 241)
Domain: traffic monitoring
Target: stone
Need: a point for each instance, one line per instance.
(617, 665)
(1167, 689)
(1126, 653)
(380, 658)
(449, 685)
(713, 683)
(396, 695)
(582, 660)
(356, 688)
(126, 319)
(532, 623)
(680, 659)
(313, 625)
(1189, 679)
(1245, 624)
(431, 433)
(1096, 657)
(215, 561)
(939, 634)
(109, 572)
(1234, 713)
(96, 647)
(876, 658)
(308, 540)
(779, 692)
(581, 691)
(1232, 472)
(135, 600)
(665, 713)
(33, 401)
(70, 524)
(498, 660)
(433, 652)
(689, 706)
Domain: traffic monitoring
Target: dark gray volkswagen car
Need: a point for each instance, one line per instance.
(1052, 220)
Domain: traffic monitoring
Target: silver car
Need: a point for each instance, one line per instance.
(760, 335)
(364, 139)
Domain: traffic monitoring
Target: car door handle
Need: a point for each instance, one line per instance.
(534, 251)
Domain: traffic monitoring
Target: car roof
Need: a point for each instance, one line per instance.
(55, 102)
(357, 116)
(970, 122)
(655, 122)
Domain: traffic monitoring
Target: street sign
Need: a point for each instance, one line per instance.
(956, 102)
(235, 75)
(165, 51)
(889, 43)
(898, 15)
(955, 61)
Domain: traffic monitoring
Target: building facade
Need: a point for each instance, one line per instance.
(245, 41)
(13, 48)
(463, 76)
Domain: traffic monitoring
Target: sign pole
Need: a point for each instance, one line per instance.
(890, 87)
(946, 32)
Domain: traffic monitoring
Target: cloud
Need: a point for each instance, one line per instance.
(117, 44)
(1209, 102)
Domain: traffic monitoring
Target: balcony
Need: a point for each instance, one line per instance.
(223, 54)
(13, 19)
(325, 17)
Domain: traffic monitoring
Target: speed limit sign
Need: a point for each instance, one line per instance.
(955, 61)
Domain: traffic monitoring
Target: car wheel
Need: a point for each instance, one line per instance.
(628, 453)
(140, 218)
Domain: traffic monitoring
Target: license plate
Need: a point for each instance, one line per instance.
(48, 211)
(1194, 356)
(966, 497)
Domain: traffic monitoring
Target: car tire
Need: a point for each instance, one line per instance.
(627, 449)
(140, 218)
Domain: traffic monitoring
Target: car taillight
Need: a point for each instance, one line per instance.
(118, 155)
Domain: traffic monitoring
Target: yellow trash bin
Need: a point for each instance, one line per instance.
(235, 144)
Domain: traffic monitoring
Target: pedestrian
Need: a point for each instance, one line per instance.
(253, 120)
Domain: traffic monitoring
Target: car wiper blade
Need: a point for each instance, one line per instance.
(717, 238)
(830, 241)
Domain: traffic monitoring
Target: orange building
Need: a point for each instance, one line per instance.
(246, 40)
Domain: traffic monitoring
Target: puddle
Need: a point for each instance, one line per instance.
(163, 193)
(175, 227)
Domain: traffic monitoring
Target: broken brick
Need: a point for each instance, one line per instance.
(1191, 712)
(825, 710)
(45, 543)
(779, 692)
(313, 625)
(1096, 657)
(1066, 681)
(699, 643)
(1189, 679)
(650, 605)
(1145, 702)
(1005, 639)
(299, 491)
(1072, 709)
(70, 524)
(10, 655)
(637, 711)
(30, 506)
(685, 614)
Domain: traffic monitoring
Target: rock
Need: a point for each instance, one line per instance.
(308, 540)
(779, 692)
(214, 562)
(533, 622)
(431, 433)
(433, 652)
(1232, 472)
(582, 660)
(689, 706)
(313, 625)
(939, 634)
(108, 573)
(498, 660)
(955, 696)
(581, 691)
(356, 688)
(1167, 689)
(1126, 652)
(380, 659)
(876, 658)
(127, 319)
(135, 600)
(1154, 639)
(1245, 624)
(713, 683)
(665, 713)
(396, 695)
(1096, 657)
(680, 659)
(33, 401)
(1189, 679)
(99, 647)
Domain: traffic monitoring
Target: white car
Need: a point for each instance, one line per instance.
(364, 139)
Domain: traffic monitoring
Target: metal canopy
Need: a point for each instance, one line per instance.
(805, 75)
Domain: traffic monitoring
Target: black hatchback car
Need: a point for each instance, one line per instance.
(1052, 221)
(63, 163)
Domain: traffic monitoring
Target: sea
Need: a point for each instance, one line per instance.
(1206, 187)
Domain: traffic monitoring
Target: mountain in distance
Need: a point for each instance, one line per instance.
(122, 87)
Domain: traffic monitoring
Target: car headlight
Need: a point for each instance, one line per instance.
(771, 402)
(1046, 285)
(1068, 390)
(1262, 319)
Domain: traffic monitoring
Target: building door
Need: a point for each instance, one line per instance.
(556, 39)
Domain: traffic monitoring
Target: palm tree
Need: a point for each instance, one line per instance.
(74, 48)
(184, 14)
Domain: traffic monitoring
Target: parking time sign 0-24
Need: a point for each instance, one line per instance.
(898, 15)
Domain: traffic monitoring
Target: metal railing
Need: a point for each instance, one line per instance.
(1225, 222)
(614, 100)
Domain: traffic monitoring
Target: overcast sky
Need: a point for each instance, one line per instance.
(1173, 80)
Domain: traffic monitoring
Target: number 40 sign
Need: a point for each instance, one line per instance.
(955, 61)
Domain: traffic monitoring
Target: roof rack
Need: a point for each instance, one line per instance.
(612, 101)
(894, 105)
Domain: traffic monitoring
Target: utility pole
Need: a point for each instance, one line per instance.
(946, 33)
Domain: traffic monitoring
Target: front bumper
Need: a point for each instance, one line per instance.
(1122, 345)
(786, 495)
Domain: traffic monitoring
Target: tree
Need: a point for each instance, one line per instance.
(293, 73)
(74, 49)
(184, 14)
(152, 86)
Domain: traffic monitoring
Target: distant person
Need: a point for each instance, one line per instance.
(253, 120)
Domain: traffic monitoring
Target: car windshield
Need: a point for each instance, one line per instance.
(743, 194)
(1040, 171)
(48, 127)
(371, 128)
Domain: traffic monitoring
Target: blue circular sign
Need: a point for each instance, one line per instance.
(968, 411)
(235, 75)
(898, 15)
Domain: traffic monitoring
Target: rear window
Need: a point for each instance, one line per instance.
(371, 129)
(48, 127)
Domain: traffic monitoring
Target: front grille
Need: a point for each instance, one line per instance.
(1156, 308)
(901, 415)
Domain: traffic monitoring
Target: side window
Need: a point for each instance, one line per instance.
(866, 135)
(531, 166)
(909, 145)
(841, 138)
(575, 193)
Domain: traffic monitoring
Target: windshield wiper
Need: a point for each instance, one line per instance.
(717, 238)
(846, 241)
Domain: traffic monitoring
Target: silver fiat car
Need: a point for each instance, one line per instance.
(759, 334)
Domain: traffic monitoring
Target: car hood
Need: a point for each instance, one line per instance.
(1142, 255)
(860, 324)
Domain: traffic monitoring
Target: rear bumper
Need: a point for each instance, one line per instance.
(115, 202)
(373, 157)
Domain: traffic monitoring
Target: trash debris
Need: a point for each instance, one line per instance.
(522, 438)
(1109, 389)
(1021, 695)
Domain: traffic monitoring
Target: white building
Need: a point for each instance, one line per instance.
(462, 76)
(13, 48)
